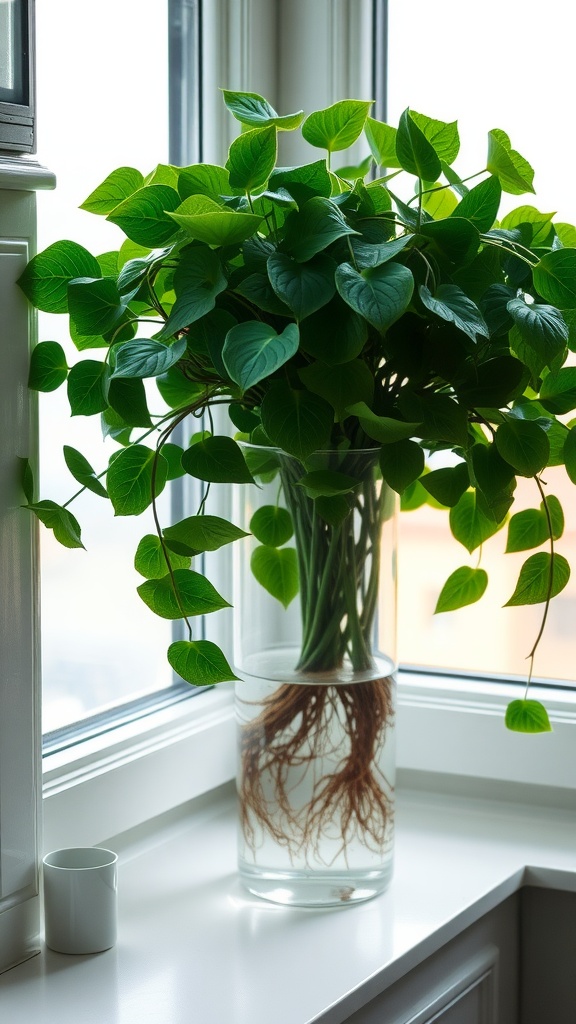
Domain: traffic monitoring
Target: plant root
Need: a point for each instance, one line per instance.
(284, 747)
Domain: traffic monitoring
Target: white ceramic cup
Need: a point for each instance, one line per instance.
(80, 899)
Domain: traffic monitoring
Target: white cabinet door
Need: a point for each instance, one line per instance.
(472, 979)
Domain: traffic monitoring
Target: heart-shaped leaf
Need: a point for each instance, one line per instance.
(181, 593)
(117, 187)
(523, 444)
(272, 525)
(199, 662)
(217, 460)
(60, 520)
(82, 471)
(252, 109)
(276, 569)
(380, 294)
(527, 716)
(336, 127)
(144, 357)
(415, 153)
(201, 533)
(252, 158)
(132, 477)
(303, 287)
(253, 350)
(46, 277)
(150, 558)
(145, 216)
(450, 303)
(297, 421)
(543, 576)
(48, 367)
(463, 587)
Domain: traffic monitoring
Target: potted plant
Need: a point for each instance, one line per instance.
(350, 334)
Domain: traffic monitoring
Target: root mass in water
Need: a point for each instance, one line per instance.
(298, 728)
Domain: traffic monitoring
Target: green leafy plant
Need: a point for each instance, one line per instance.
(325, 313)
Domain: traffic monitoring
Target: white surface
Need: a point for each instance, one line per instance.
(193, 947)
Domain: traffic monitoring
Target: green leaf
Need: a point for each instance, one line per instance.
(523, 444)
(252, 109)
(463, 587)
(540, 223)
(127, 397)
(182, 593)
(333, 510)
(543, 331)
(366, 256)
(46, 277)
(481, 204)
(82, 471)
(26, 479)
(340, 385)
(533, 586)
(276, 569)
(130, 479)
(314, 227)
(201, 533)
(493, 383)
(258, 290)
(448, 484)
(413, 497)
(175, 388)
(415, 153)
(144, 357)
(558, 391)
(199, 662)
(494, 479)
(173, 454)
(86, 387)
(117, 187)
(451, 304)
(336, 127)
(150, 558)
(48, 366)
(206, 221)
(253, 350)
(217, 460)
(272, 525)
(198, 281)
(297, 421)
(252, 158)
(527, 529)
(527, 716)
(65, 526)
(468, 523)
(555, 277)
(204, 180)
(335, 334)
(95, 305)
(455, 238)
(401, 464)
(144, 216)
(382, 141)
(303, 287)
(384, 429)
(380, 294)
(443, 135)
(512, 170)
(570, 454)
(437, 417)
(325, 483)
(303, 183)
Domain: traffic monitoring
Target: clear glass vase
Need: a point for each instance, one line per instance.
(315, 626)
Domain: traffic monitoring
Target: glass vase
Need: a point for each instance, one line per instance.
(314, 647)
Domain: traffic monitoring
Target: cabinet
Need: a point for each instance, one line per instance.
(473, 979)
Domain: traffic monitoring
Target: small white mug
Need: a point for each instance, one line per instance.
(80, 899)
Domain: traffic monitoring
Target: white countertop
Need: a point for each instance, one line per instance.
(194, 947)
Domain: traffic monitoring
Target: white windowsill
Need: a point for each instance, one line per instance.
(445, 726)
(194, 946)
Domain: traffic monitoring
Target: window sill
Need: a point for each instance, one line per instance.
(446, 726)
(186, 925)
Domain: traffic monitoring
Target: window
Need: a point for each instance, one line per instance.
(102, 648)
(16, 78)
(465, 74)
(446, 726)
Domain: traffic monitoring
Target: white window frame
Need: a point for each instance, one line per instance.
(447, 726)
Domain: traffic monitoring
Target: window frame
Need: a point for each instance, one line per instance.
(447, 725)
(17, 120)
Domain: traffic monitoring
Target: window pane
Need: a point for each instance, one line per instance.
(12, 69)
(472, 67)
(101, 645)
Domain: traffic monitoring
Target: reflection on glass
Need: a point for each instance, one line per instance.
(12, 74)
